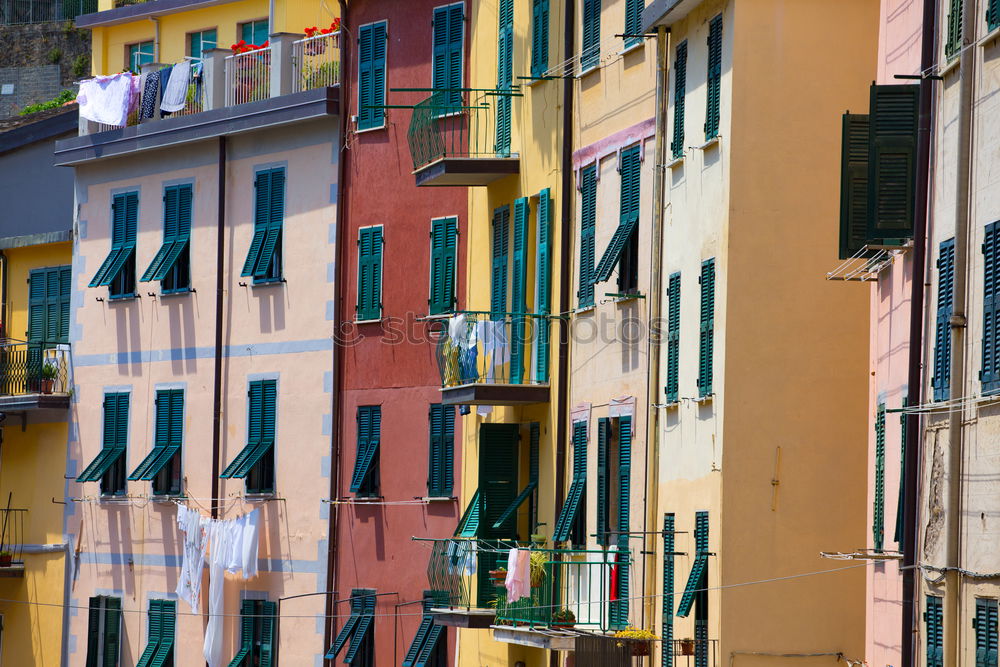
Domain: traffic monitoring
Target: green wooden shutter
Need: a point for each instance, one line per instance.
(261, 219)
(371, 75)
(900, 500)
(268, 624)
(941, 381)
(578, 487)
(892, 162)
(588, 222)
(543, 288)
(271, 246)
(38, 305)
(680, 93)
(603, 439)
(505, 75)
(499, 248)
(93, 630)
(633, 22)
(124, 217)
(989, 376)
(168, 622)
(934, 631)
(667, 618)
(993, 15)
(706, 344)
(714, 94)
(878, 509)
(985, 625)
(498, 469)
(954, 40)
(619, 609)
(628, 215)
(853, 184)
(446, 71)
(442, 447)
(468, 525)
(369, 420)
(519, 291)
(153, 623)
(112, 631)
(590, 55)
(539, 37)
(444, 249)
(369, 306)
(672, 388)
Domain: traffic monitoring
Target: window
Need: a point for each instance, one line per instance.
(680, 93)
(109, 465)
(365, 480)
(543, 286)
(440, 475)
(985, 625)
(171, 264)
(161, 621)
(571, 524)
(934, 631)
(588, 222)
(518, 288)
(371, 75)
(990, 374)
(954, 43)
(539, 38)
(619, 609)
(162, 466)
(448, 51)
(698, 579)
(263, 261)
(668, 589)
(255, 462)
(499, 250)
(505, 74)
(428, 648)
(48, 304)
(607, 475)
(117, 272)
(878, 509)
(369, 305)
(706, 341)
(139, 55)
(941, 382)
(258, 619)
(633, 22)
(590, 56)
(104, 631)
(701, 597)
(444, 252)
(254, 32)
(199, 42)
(623, 250)
(672, 389)
(358, 629)
(714, 78)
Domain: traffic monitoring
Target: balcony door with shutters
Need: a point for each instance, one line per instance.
(498, 468)
(48, 318)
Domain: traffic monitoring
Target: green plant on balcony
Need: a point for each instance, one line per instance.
(321, 76)
(563, 618)
(6, 558)
(638, 638)
(49, 373)
(539, 559)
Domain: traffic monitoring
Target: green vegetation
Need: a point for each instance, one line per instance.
(64, 96)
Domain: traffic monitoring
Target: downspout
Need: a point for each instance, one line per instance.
(958, 324)
(915, 382)
(652, 493)
(220, 293)
(156, 39)
(3, 295)
(338, 349)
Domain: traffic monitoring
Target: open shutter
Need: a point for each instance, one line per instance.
(620, 608)
(954, 39)
(261, 217)
(365, 621)
(168, 622)
(853, 184)
(578, 487)
(603, 439)
(93, 630)
(878, 509)
(993, 15)
(539, 37)
(499, 249)
(934, 632)
(588, 221)
(713, 104)
(667, 617)
(892, 162)
(357, 608)
(268, 631)
(543, 289)
(706, 344)
(591, 52)
(468, 525)
(112, 631)
(633, 22)
(680, 93)
(505, 75)
(426, 623)
(518, 291)
(673, 338)
(444, 246)
(275, 215)
(941, 381)
(153, 623)
(170, 213)
(990, 374)
(898, 533)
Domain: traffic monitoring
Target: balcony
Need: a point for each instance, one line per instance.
(450, 574)
(462, 138)
(489, 359)
(292, 80)
(35, 378)
(12, 542)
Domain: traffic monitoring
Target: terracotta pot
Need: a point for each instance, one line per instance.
(6, 560)
(48, 386)
(641, 648)
(687, 646)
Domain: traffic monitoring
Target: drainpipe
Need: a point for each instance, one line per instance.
(655, 309)
(958, 325)
(156, 39)
(3, 294)
(220, 293)
(340, 275)
(915, 380)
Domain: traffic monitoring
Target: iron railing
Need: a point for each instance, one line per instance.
(316, 61)
(16, 12)
(12, 536)
(33, 368)
(695, 652)
(602, 651)
(494, 349)
(449, 571)
(461, 123)
(248, 76)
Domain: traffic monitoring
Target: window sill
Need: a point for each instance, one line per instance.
(124, 298)
(165, 498)
(268, 282)
(703, 400)
(439, 499)
(672, 405)
(676, 162)
(377, 320)
(260, 497)
(991, 36)
(176, 293)
(534, 82)
(628, 297)
(951, 65)
(368, 500)
(585, 309)
(358, 130)
(714, 141)
(589, 70)
(430, 317)
(632, 47)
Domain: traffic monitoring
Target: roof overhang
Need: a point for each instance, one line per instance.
(143, 10)
(666, 13)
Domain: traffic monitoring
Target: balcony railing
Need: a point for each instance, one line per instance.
(248, 77)
(701, 652)
(15, 12)
(33, 368)
(316, 62)
(448, 571)
(12, 541)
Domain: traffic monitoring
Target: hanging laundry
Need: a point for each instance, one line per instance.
(193, 557)
(176, 88)
(165, 75)
(149, 92)
(251, 541)
(218, 555)
(518, 581)
(106, 99)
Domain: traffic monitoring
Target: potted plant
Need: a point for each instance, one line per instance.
(563, 618)
(49, 374)
(538, 561)
(638, 638)
(498, 576)
(686, 646)
(6, 558)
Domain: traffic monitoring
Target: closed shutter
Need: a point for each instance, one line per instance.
(371, 75)
(543, 288)
(112, 631)
(985, 625)
(667, 631)
(633, 22)
(444, 248)
(673, 338)
(442, 448)
(369, 305)
(680, 93)
(878, 509)
(48, 304)
(94, 609)
(505, 75)
(499, 248)
(498, 467)
(898, 533)
(448, 51)
(892, 162)
(590, 55)
(518, 291)
(934, 631)
(603, 441)
(954, 41)
(268, 630)
(713, 106)
(620, 609)
(706, 344)
(588, 223)
(853, 184)
(539, 37)
(990, 373)
(941, 381)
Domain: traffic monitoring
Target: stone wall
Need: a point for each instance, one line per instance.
(40, 59)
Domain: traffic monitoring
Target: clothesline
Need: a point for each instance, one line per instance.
(112, 99)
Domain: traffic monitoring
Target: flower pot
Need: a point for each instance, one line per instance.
(686, 646)
(640, 648)
(498, 577)
(563, 625)
(6, 560)
(316, 48)
(48, 386)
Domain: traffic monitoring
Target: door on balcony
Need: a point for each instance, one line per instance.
(498, 466)
(48, 322)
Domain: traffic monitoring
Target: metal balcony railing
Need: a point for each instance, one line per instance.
(15, 12)
(448, 571)
(12, 536)
(694, 652)
(461, 123)
(33, 368)
(316, 62)
(248, 76)
(494, 349)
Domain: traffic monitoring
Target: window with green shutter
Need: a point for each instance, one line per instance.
(104, 628)
(605, 490)
(444, 254)
(698, 579)
(263, 261)
(878, 503)
(371, 75)
(672, 389)
(108, 467)
(539, 37)
(161, 622)
(590, 54)
(429, 646)
(706, 342)
(117, 272)
(714, 90)
(255, 462)
(989, 376)
(358, 633)
(941, 381)
(901, 498)
(934, 632)
(543, 286)
(518, 291)
(440, 475)
(667, 617)
(505, 75)
(985, 625)
(993, 15)
(139, 55)
(633, 22)
(623, 250)
(528, 492)
(254, 32)
(853, 184)
(258, 629)
(701, 647)
(446, 73)
(171, 264)
(892, 162)
(162, 466)
(954, 38)
(499, 249)
(620, 608)
(365, 478)
(568, 526)
(588, 224)
(199, 42)
(680, 94)
(48, 305)
(369, 304)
